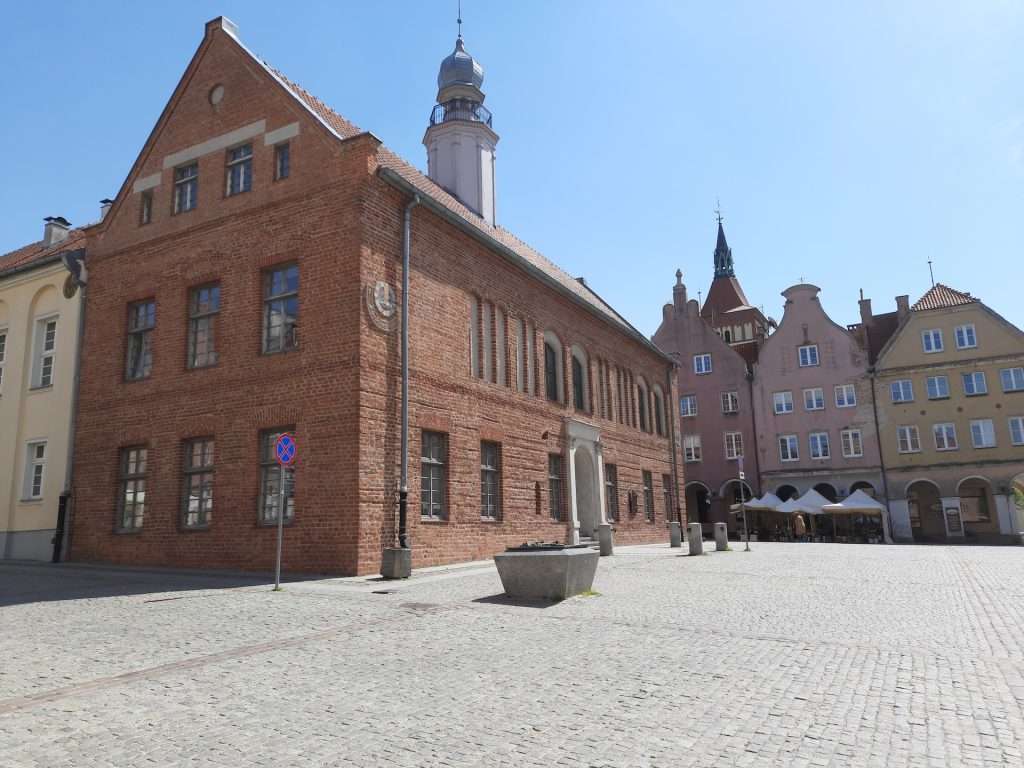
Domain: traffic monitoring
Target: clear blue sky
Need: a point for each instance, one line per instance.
(848, 144)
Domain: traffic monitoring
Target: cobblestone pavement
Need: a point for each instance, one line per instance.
(793, 654)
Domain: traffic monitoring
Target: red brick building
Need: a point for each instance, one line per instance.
(246, 282)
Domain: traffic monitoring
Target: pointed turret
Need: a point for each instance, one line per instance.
(723, 256)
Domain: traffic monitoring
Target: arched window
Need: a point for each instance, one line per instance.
(474, 337)
(728, 336)
(554, 376)
(659, 411)
(580, 380)
(642, 405)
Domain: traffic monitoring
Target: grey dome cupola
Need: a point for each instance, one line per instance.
(459, 68)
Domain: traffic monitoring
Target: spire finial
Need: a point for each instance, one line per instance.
(459, 19)
(679, 277)
(718, 210)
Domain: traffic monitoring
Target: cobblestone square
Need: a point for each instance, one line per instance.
(793, 654)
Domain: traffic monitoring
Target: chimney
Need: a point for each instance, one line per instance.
(56, 230)
(902, 306)
(679, 293)
(866, 315)
(105, 204)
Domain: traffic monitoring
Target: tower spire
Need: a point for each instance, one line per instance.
(723, 253)
(459, 19)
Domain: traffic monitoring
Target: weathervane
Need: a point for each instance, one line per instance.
(718, 210)
(460, 18)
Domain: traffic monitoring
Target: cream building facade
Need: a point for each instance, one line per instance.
(39, 331)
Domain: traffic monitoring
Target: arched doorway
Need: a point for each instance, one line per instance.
(925, 508)
(786, 492)
(588, 501)
(828, 491)
(862, 485)
(698, 503)
(977, 507)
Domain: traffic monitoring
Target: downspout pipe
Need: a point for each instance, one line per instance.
(881, 456)
(403, 488)
(670, 413)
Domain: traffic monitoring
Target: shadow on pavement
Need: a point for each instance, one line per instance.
(517, 602)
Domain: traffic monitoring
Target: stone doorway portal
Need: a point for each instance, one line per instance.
(586, 480)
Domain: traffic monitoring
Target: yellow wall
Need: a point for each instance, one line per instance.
(28, 414)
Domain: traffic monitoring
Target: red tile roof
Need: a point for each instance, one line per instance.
(38, 251)
(941, 296)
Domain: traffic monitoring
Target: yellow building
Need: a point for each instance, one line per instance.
(39, 328)
(949, 392)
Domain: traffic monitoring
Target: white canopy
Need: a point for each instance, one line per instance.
(858, 501)
(791, 506)
(768, 501)
(813, 502)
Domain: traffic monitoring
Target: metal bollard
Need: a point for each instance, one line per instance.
(675, 534)
(696, 538)
(604, 539)
(721, 537)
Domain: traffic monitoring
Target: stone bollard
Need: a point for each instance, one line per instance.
(675, 534)
(721, 537)
(604, 539)
(696, 538)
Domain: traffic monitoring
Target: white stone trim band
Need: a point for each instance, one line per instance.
(281, 134)
(146, 182)
(217, 143)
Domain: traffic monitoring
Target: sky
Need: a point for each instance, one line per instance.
(848, 143)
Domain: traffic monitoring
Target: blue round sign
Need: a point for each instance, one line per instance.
(285, 449)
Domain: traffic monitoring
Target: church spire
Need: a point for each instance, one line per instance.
(723, 255)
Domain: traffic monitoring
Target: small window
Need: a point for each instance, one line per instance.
(733, 445)
(282, 161)
(938, 387)
(272, 475)
(819, 446)
(203, 307)
(983, 433)
(239, 170)
(141, 321)
(691, 448)
(730, 402)
(35, 471)
(611, 492)
(931, 340)
(648, 496)
(1017, 430)
(908, 439)
(688, 405)
(902, 391)
(1012, 379)
(808, 355)
(281, 309)
(783, 402)
(197, 505)
(789, 448)
(186, 187)
(146, 207)
(853, 444)
(45, 353)
(974, 383)
(945, 437)
(3, 356)
(131, 495)
(814, 399)
(965, 337)
(433, 470)
(490, 481)
(702, 364)
(556, 496)
(846, 396)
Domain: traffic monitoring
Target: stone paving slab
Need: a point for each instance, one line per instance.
(793, 654)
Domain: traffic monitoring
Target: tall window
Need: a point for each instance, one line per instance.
(197, 506)
(974, 383)
(146, 207)
(783, 402)
(141, 321)
(648, 496)
(239, 170)
(3, 356)
(814, 399)
(819, 446)
(556, 498)
(908, 439)
(688, 405)
(35, 470)
(131, 496)
(846, 396)
(983, 433)
(433, 475)
(487, 315)
(808, 355)
(730, 402)
(272, 475)
(938, 387)
(186, 187)
(490, 481)
(1017, 430)
(203, 306)
(281, 309)
(966, 337)
(733, 445)
(666, 489)
(702, 364)
(45, 352)
(902, 391)
(931, 340)
(1012, 379)
(641, 398)
(853, 445)
(789, 448)
(659, 413)
(551, 373)
(611, 492)
(282, 161)
(578, 397)
(691, 448)
(945, 436)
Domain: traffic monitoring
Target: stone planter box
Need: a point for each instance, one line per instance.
(548, 572)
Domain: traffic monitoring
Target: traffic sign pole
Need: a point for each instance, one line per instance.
(285, 450)
(743, 506)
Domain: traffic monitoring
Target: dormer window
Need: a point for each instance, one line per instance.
(186, 187)
(239, 170)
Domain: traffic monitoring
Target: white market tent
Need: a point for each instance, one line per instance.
(767, 502)
(812, 502)
(859, 502)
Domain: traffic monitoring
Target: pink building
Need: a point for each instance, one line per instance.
(813, 407)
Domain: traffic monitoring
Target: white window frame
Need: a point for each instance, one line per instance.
(899, 383)
(730, 402)
(685, 402)
(43, 355)
(702, 364)
(988, 429)
(963, 330)
(1016, 378)
(733, 445)
(691, 449)
(791, 443)
(947, 432)
(32, 464)
(846, 395)
(909, 435)
(238, 170)
(818, 443)
(974, 377)
(785, 399)
(929, 337)
(939, 395)
(1017, 439)
(851, 439)
(818, 396)
(186, 187)
(806, 361)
